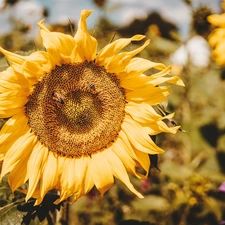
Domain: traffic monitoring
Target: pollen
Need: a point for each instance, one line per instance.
(77, 109)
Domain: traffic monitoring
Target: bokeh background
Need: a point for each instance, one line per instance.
(187, 187)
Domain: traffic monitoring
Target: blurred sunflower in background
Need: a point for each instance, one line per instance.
(78, 119)
(217, 36)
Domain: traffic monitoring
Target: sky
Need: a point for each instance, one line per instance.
(120, 12)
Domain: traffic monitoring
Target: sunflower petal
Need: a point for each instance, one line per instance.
(149, 93)
(141, 65)
(12, 100)
(37, 65)
(12, 130)
(35, 164)
(144, 160)
(18, 176)
(134, 80)
(160, 127)
(17, 152)
(10, 80)
(140, 157)
(217, 20)
(143, 113)
(60, 47)
(84, 181)
(86, 44)
(119, 62)
(50, 174)
(67, 180)
(119, 170)
(138, 137)
(120, 149)
(101, 172)
(27, 65)
(7, 86)
(173, 80)
(6, 113)
(105, 54)
(16, 61)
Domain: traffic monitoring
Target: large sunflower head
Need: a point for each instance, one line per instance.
(217, 37)
(79, 117)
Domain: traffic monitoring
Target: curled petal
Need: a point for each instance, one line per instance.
(86, 44)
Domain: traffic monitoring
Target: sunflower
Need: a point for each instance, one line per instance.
(217, 37)
(78, 118)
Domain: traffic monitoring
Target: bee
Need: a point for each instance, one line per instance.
(91, 85)
(57, 97)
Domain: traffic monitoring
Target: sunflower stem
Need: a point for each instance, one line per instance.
(62, 216)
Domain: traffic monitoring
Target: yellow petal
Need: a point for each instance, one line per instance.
(119, 170)
(142, 112)
(131, 82)
(37, 65)
(134, 80)
(19, 150)
(6, 113)
(25, 65)
(145, 114)
(216, 35)
(173, 80)
(83, 181)
(217, 20)
(10, 75)
(159, 127)
(12, 99)
(10, 80)
(150, 94)
(122, 151)
(138, 137)
(12, 130)
(60, 47)
(105, 54)
(144, 160)
(101, 172)
(50, 175)
(139, 157)
(141, 65)
(67, 184)
(86, 44)
(119, 62)
(7, 86)
(18, 175)
(16, 61)
(36, 162)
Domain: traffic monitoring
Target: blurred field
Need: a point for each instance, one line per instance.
(185, 189)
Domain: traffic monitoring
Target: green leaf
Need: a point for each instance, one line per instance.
(10, 215)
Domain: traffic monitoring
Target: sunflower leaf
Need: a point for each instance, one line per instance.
(154, 158)
(10, 215)
(40, 211)
(154, 161)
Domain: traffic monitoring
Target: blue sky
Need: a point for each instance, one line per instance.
(120, 12)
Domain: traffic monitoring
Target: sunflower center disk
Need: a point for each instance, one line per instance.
(77, 109)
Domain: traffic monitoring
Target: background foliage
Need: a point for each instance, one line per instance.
(185, 188)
